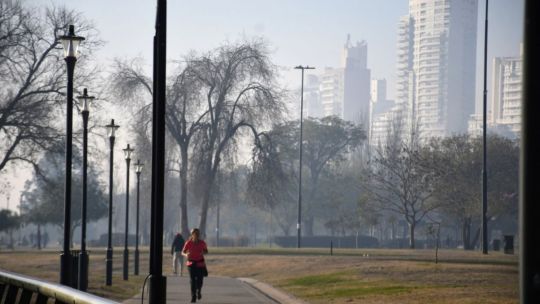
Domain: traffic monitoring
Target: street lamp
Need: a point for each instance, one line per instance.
(138, 169)
(298, 230)
(83, 255)
(484, 144)
(127, 155)
(70, 42)
(111, 128)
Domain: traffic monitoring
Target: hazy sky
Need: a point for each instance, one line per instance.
(300, 32)
(304, 32)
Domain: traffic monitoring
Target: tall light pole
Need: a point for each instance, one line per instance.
(138, 169)
(529, 194)
(299, 222)
(127, 155)
(83, 255)
(70, 43)
(484, 129)
(111, 128)
(158, 282)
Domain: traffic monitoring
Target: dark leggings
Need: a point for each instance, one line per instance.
(196, 278)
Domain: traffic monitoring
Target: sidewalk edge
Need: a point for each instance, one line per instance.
(272, 292)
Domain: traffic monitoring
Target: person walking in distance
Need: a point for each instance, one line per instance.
(194, 250)
(176, 252)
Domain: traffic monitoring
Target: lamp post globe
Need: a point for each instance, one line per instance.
(138, 169)
(83, 254)
(111, 132)
(70, 43)
(127, 155)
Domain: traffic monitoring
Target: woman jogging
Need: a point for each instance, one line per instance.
(194, 250)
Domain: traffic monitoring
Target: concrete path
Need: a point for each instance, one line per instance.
(216, 290)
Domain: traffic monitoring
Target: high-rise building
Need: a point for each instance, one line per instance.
(356, 84)
(331, 92)
(344, 91)
(378, 90)
(436, 66)
(504, 110)
(506, 93)
(312, 100)
(382, 113)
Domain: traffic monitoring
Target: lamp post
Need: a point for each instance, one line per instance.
(127, 155)
(158, 282)
(83, 255)
(70, 43)
(484, 146)
(298, 223)
(111, 128)
(529, 194)
(138, 169)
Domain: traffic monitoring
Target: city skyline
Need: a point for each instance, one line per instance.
(299, 32)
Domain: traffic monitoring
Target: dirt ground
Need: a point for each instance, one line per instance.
(407, 278)
(349, 276)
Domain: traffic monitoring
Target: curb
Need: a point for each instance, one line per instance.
(273, 293)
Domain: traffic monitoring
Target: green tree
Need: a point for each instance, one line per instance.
(42, 200)
(9, 221)
(458, 163)
(274, 176)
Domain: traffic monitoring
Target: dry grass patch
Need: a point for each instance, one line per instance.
(350, 276)
(385, 276)
(45, 265)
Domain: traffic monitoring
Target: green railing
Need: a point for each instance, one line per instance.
(20, 289)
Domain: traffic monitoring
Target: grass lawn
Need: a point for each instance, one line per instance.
(349, 276)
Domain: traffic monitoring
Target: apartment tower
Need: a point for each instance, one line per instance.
(436, 66)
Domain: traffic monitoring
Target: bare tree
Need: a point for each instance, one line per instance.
(241, 94)
(397, 181)
(184, 116)
(32, 77)
(210, 101)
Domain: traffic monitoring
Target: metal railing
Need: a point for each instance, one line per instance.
(20, 289)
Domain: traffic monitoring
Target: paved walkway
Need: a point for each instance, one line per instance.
(216, 290)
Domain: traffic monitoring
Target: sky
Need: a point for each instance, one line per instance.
(307, 32)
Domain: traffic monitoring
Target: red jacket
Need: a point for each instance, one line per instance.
(195, 252)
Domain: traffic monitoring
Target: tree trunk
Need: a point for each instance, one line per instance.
(205, 203)
(184, 193)
(11, 245)
(476, 238)
(39, 236)
(412, 226)
(466, 234)
(308, 226)
(286, 229)
(73, 227)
